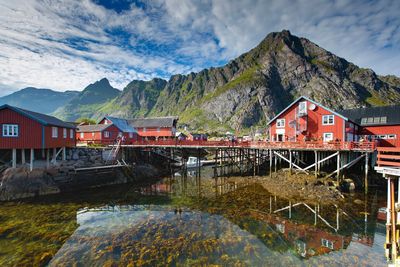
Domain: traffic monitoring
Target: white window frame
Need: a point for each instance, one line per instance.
(326, 119)
(280, 123)
(144, 129)
(158, 129)
(65, 133)
(71, 133)
(302, 108)
(54, 132)
(10, 130)
(92, 134)
(82, 135)
(130, 135)
(106, 134)
(326, 243)
(324, 139)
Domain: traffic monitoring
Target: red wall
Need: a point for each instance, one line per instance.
(315, 129)
(153, 132)
(30, 133)
(384, 130)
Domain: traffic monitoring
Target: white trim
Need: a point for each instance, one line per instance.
(65, 133)
(328, 116)
(54, 132)
(326, 139)
(10, 130)
(279, 121)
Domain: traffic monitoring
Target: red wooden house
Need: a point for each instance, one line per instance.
(155, 128)
(104, 134)
(130, 134)
(378, 123)
(306, 120)
(23, 129)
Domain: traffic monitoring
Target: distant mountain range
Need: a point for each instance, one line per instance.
(40, 100)
(246, 92)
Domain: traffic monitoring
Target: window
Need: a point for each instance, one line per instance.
(54, 132)
(370, 120)
(130, 135)
(364, 121)
(82, 135)
(10, 130)
(65, 133)
(280, 123)
(158, 129)
(144, 130)
(391, 136)
(326, 243)
(383, 119)
(71, 133)
(106, 134)
(377, 120)
(303, 108)
(328, 120)
(328, 137)
(92, 134)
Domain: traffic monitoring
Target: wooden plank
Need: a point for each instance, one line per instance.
(388, 156)
(388, 149)
(388, 163)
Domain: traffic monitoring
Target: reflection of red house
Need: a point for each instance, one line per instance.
(307, 239)
(156, 189)
(306, 119)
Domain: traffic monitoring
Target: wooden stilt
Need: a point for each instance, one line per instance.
(47, 158)
(64, 153)
(366, 174)
(316, 163)
(290, 162)
(54, 155)
(23, 161)
(270, 163)
(14, 158)
(338, 167)
(31, 158)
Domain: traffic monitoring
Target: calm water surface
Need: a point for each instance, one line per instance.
(185, 220)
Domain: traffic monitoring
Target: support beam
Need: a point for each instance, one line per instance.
(47, 158)
(64, 153)
(316, 163)
(338, 167)
(31, 159)
(270, 163)
(14, 158)
(23, 161)
(366, 174)
(54, 160)
(290, 162)
(348, 165)
(282, 157)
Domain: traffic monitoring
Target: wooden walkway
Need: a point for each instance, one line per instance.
(306, 145)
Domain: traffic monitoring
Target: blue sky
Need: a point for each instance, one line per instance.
(66, 44)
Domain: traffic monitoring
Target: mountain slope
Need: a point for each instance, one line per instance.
(252, 88)
(39, 100)
(137, 99)
(88, 102)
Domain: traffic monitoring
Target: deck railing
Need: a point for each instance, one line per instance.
(334, 145)
(388, 156)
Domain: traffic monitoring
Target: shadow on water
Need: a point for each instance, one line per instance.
(190, 218)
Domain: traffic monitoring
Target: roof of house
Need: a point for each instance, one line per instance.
(312, 101)
(386, 115)
(122, 124)
(92, 127)
(153, 122)
(39, 117)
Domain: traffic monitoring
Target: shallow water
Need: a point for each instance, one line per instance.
(185, 220)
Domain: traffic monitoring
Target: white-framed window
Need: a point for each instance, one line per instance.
(327, 137)
(144, 129)
(158, 129)
(130, 135)
(328, 120)
(326, 243)
(106, 134)
(105, 121)
(82, 135)
(391, 136)
(92, 134)
(71, 133)
(10, 130)
(280, 123)
(65, 133)
(303, 108)
(54, 132)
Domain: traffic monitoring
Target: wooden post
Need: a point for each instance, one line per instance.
(270, 163)
(31, 158)
(64, 153)
(338, 167)
(276, 161)
(315, 215)
(23, 161)
(366, 174)
(290, 162)
(270, 204)
(14, 158)
(393, 221)
(388, 218)
(290, 209)
(54, 155)
(47, 158)
(337, 218)
(316, 163)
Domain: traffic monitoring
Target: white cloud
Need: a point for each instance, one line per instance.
(69, 44)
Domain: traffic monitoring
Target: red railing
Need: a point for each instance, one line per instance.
(388, 156)
(334, 145)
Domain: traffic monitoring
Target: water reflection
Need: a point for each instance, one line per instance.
(224, 221)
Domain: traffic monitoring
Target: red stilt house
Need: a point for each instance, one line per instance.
(129, 133)
(155, 128)
(23, 129)
(307, 120)
(104, 134)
